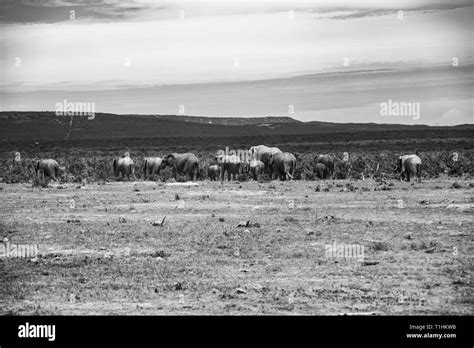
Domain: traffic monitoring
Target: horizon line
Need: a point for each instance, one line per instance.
(242, 117)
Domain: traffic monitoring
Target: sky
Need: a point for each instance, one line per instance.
(237, 58)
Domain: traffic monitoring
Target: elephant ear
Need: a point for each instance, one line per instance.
(168, 157)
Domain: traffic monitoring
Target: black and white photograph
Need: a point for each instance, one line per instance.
(235, 158)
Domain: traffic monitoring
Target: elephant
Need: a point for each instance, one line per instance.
(283, 165)
(409, 165)
(263, 153)
(214, 172)
(321, 171)
(230, 164)
(256, 168)
(124, 166)
(50, 168)
(328, 161)
(244, 167)
(181, 163)
(151, 167)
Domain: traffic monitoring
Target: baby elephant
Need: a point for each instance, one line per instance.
(151, 166)
(321, 171)
(409, 165)
(256, 168)
(124, 166)
(50, 168)
(214, 172)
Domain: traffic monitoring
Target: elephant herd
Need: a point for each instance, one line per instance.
(261, 160)
(184, 164)
(256, 161)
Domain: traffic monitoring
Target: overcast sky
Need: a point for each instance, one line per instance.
(107, 51)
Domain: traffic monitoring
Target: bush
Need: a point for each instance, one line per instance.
(96, 165)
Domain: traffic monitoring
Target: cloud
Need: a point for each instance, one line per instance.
(51, 11)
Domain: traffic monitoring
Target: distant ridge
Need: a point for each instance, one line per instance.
(35, 126)
(228, 121)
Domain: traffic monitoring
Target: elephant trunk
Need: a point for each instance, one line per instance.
(398, 167)
(144, 169)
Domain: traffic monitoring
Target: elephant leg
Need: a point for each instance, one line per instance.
(52, 176)
(288, 171)
(187, 172)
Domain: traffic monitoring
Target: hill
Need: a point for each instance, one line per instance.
(36, 126)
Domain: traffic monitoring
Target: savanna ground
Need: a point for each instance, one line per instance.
(101, 255)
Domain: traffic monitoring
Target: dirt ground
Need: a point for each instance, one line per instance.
(102, 251)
